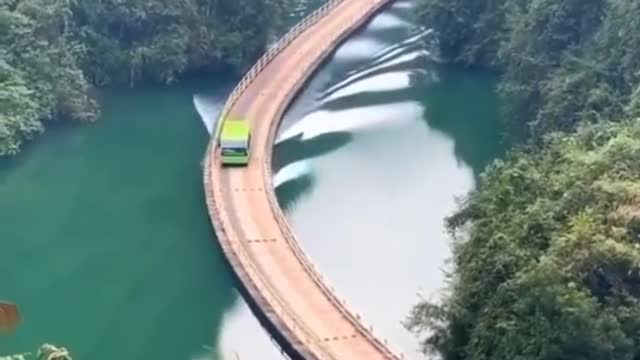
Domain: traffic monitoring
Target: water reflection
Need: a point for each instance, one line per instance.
(479, 140)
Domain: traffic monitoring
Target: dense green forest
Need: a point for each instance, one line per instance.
(561, 62)
(52, 52)
(546, 252)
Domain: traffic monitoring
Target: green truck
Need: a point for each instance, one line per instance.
(235, 142)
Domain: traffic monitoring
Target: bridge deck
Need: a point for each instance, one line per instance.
(251, 227)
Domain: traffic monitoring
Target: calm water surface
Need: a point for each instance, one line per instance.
(107, 248)
(106, 245)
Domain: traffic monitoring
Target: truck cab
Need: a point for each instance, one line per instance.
(235, 142)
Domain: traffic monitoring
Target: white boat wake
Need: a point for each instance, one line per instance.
(209, 111)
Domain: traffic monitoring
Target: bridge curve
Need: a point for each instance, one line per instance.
(283, 287)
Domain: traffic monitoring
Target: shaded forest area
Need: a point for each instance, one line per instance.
(546, 252)
(52, 52)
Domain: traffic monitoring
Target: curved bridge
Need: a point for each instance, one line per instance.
(282, 286)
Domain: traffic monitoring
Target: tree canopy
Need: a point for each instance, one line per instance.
(547, 255)
(562, 61)
(53, 51)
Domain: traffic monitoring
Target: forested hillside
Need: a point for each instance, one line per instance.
(546, 252)
(562, 61)
(53, 51)
(547, 255)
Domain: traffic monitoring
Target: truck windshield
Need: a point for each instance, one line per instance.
(234, 151)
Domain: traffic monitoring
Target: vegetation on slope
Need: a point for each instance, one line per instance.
(547, 255)
(562, 61)
(546, 252)
(51, 52)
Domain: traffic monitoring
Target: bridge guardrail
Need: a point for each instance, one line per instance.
(284, 314)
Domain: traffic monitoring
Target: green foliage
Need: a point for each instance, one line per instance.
(51, 52)
(20, 116)
(39, 77)
(132, 40)
(549, 264)
(466, 29)
(563, 61)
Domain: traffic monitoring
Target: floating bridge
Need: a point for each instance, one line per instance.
(282, 286)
